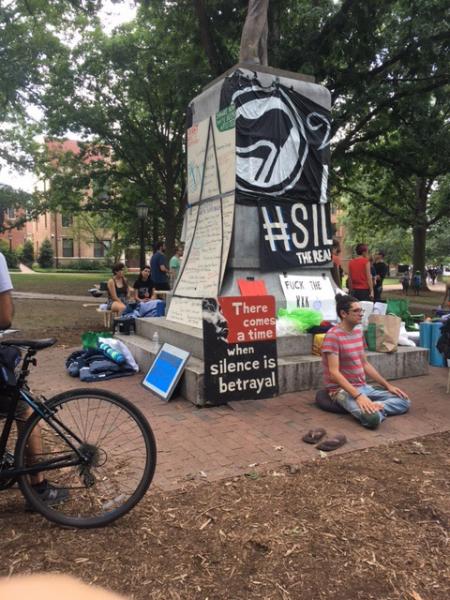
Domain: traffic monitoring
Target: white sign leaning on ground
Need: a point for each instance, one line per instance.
(304, 291)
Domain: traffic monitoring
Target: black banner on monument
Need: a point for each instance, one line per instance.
(240, 348)
(282, 140)
(293, 234)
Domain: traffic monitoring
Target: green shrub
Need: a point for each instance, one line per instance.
(46, 254)
(27, 253)
(11, 257)
(84, 264)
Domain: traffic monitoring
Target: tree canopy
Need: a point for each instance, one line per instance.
(385, 63)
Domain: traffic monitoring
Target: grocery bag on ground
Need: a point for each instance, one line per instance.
(122, 348)
(383, 333)
(89, 339)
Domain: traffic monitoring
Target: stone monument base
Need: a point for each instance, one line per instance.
(298, 369)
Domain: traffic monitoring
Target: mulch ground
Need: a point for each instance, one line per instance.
(372, 524)
(369, 525)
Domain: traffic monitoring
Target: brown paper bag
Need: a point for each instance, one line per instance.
(383, 333)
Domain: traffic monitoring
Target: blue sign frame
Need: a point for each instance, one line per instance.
(165, 371)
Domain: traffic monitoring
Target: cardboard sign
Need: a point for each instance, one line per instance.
(304, 291)
(240, 350)
(252, 287)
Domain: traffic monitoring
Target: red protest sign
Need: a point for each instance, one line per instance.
(250, 318)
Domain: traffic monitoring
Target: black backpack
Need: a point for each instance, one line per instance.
(9, 359)
(443, 343)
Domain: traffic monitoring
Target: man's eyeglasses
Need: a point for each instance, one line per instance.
(357, 310)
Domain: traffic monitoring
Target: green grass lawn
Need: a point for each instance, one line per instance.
(432, 299)
(72, 284)
(391, 281)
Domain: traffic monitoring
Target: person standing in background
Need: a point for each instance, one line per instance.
(174, 265)
(6, 302)
(359, 276)
(381, 272)
(336, 258)
(405, 282)
(158, 267)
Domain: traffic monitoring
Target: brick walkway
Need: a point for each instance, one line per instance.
(213, 443)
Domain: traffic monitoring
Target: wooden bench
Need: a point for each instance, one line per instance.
(108, 315)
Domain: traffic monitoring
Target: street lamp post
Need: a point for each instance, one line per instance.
(142, 212)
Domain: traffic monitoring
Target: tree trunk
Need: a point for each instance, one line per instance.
(155, 231)
(274, 31)
(170, 234)
(420, 231)
(206, 37)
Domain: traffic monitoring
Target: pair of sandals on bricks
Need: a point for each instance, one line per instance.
(315, 435)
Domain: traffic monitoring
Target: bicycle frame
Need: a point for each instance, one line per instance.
(22, 392)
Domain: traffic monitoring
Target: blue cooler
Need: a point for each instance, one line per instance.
(425, 335)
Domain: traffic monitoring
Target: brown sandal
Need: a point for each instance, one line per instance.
(332, 443)
(314, 435)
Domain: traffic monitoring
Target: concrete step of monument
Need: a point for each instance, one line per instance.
(145, 350)
(191, 338)
(295, 373)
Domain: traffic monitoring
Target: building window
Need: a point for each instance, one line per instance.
(101, 248)
(67, 220)
(11, 212)
(67, 247)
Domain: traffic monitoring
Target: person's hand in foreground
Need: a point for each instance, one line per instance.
(396, 391)
(51, 587)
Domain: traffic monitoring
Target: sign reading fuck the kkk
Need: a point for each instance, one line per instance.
(305, 291)
(240, 350)
(293, 234)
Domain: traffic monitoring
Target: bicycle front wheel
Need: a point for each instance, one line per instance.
(114, 448)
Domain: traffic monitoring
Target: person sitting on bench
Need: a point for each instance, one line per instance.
(144, 286)
(117, 289)
(345, 369)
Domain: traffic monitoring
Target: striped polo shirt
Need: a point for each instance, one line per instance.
(350, 349)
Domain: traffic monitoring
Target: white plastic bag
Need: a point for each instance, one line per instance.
(120, 347)
(379, 308)
(286, 326)
(367, 308)
(403, 339)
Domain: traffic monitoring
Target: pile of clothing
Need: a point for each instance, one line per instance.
(109, 360)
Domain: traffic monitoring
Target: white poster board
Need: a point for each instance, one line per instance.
(310, 291)
(209, 220)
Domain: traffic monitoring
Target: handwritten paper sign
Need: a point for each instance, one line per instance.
(305, 291)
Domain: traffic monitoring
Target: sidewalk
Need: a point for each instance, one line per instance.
(38, 296)
(213, 443)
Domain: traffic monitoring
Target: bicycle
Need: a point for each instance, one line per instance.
(94, 444)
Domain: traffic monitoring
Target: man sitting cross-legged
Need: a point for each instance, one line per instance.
(346, 367)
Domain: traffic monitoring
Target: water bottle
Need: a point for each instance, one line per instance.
(112, 354)
(155, 337)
